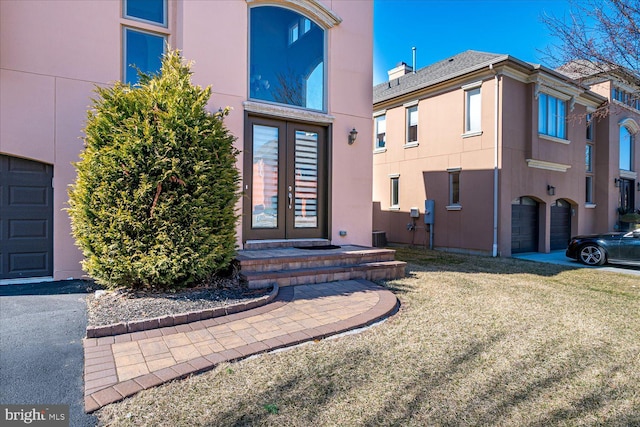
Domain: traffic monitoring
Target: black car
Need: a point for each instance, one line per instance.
(596, 249)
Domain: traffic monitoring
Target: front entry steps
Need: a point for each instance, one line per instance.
(288, 266)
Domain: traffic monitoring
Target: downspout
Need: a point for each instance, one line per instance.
(494, 251)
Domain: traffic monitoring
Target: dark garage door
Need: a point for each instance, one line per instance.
(524, 225)
(26, 218)
(560, 225)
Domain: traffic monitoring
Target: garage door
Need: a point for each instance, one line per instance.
(26, 218)
(524, 225)
(560, 225)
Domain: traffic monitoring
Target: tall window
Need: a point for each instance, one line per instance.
(552, 116)
(588, 198)
(286, 58)
(454, 188)
(142, 49)
(472, 110)
(589, 127)
(381, 131)
(412, 124)
(626, 149)
(588, 157)
(395, 192)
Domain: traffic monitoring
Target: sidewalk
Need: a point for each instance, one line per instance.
(120, 366)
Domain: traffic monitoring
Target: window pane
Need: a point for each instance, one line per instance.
(542, 113)
(412, 124)
(454, 188)
(626, 142)
(551, 117)
(561, 118)
(473, 110)
(588, 158)
(286, 64)
(395, 189)
(381, 131)
(589, 127)
(143, 51)
(589, 189)
(148, 10)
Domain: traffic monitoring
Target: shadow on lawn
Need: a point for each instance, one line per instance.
(431, 260)
(496, 401)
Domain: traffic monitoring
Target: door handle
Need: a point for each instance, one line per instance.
(290, 198)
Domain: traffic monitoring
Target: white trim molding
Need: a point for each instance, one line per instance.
(313, 9)
(554, 139)
(282, 111)
(630, 124)
(551, 166)
(471, 85)
(628, 174)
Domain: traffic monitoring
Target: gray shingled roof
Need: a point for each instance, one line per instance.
(440, 71)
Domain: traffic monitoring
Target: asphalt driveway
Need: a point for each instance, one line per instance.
(41, 354)
(558, 257)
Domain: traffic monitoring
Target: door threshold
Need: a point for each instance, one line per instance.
(283, 243)
(25, 280)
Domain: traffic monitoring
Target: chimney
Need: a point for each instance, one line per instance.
(400, 70)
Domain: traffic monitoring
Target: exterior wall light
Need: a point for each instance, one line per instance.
(616, 182)
(639, 186)
(352, 136)
(551, 190)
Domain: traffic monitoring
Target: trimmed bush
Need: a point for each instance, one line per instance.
(154, 201)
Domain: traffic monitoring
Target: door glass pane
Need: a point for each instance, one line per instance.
(264, 203)
(306, 191)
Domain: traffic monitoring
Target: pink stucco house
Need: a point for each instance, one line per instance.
(297, 75)
(510, 153)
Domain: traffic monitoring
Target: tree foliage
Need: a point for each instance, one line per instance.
(153, 204)
(603, 34)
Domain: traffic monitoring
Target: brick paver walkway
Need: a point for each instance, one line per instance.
(120, 366)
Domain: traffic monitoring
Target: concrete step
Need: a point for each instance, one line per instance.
(382, 270)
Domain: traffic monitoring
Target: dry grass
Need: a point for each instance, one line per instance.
(478, 341)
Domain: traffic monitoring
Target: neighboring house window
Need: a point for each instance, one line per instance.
(412, 124)
(381, 131)
(395, 192)
(472, 110)
(454, 188)
(589, 189)
(589, 127)
(143, 49)
(588, 157)
(286, 58)
(626, 149)
(552, 116)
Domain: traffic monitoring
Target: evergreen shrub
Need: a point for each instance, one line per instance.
(154, 201)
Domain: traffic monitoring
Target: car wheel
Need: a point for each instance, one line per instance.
(592, 255)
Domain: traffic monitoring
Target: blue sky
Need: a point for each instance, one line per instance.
(442, 28)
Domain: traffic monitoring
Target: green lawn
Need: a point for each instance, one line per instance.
(477, 341)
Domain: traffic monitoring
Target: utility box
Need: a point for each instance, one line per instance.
(429, 211)
(414, 213)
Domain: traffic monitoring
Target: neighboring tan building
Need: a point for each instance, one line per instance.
(295, 73)
(509, 152)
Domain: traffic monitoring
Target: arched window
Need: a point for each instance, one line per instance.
(286, 58)
(626, 149)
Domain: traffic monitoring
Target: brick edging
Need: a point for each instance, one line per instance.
(178, 319)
